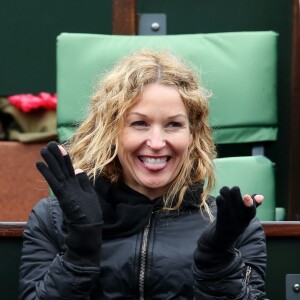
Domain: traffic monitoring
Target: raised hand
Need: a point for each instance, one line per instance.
(79, 204)
(74, 192)
(234, 213)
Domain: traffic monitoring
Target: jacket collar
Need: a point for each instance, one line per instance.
(126, 211)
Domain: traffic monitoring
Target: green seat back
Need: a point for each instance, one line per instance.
(239, 68)
(254, 175)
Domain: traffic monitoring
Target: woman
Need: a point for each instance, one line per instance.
(135, 220)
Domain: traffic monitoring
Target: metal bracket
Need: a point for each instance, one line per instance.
(258, 150)
(152, 24)
(292, 286)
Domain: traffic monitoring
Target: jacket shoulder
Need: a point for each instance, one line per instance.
(47, 209)
(254, 231)
(46, 216)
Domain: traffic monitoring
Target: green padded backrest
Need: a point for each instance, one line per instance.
(254, 175)
(239, 68)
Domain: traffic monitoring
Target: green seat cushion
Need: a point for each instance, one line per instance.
(254, 175)
(239, 68)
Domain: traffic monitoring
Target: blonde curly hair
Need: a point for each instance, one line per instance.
(94, 146)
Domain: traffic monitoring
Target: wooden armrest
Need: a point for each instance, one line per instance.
(272, 229)
(282, 228)
(12, 229)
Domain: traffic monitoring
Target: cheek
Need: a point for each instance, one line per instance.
(182, 145)
(128, 143)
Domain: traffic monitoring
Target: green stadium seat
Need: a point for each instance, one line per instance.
(253, 174)
(239, 68)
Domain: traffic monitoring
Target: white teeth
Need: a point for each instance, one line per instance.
(151, 160)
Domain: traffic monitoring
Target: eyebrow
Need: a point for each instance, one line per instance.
(170, 117)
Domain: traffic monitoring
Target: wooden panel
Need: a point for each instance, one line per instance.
(293, 211)
(124, 18)
(21, 184)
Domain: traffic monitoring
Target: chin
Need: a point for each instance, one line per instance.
(156, 184)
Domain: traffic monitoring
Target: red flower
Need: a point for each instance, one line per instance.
(28, 102)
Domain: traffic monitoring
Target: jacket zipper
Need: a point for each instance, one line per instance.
(247, 275)
(143, 260)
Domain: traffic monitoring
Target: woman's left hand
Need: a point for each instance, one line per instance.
(234, 213)
(248, 200)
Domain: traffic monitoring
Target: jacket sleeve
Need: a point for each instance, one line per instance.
(244, 278)
(43, 272)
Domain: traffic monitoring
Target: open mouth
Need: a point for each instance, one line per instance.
(154, 160)
(154, 163)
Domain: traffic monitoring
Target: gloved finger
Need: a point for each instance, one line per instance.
(221, 200)
(225, 192)
(221, 209)
(50, 178)
(54, 165)
(236, 196)
(67, 160)
(84, 181)
(57, 154)
(69, 165)
(258, 199)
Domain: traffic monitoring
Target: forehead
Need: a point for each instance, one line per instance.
(159, 98)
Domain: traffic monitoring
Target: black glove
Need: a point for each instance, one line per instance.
(75, 193)
(79, 203)
(216, 244)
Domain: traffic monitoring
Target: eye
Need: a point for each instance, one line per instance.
(175, 125)
(138, 124)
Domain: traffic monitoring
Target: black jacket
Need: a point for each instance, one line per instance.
(154, 262)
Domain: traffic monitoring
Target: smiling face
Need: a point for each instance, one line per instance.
(154, 141)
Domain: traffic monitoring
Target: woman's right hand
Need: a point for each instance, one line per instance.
(74, 191)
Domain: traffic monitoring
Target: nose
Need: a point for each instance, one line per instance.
(156, 139)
